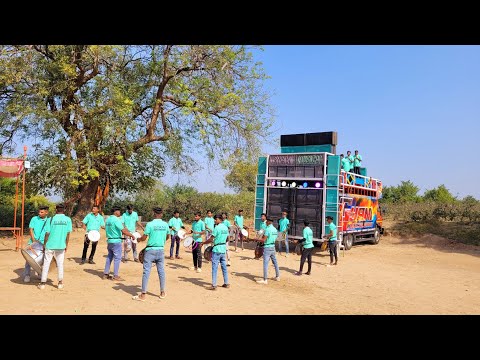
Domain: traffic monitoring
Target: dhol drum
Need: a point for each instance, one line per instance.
(136, 235)
(93, 235)
(259, 250)
(324, 246)
(207, 254)
(299, 249)
(245, 233)
(33, 254)
(128, 244)
(188, 241)
(141, 255)
(182, 234)
(259, 234)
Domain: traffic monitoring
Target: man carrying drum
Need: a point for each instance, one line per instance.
(157, 232)
(175, 224)
(268, 239)
(37, 236)
(219, 238)
(198, 229)
(209, 225)
(130, 220)
(238, 221)
(283, 225)
(226, 222)
(307, 248)
(93, 221)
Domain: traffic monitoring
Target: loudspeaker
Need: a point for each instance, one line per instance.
(292, 140)
(321, 138)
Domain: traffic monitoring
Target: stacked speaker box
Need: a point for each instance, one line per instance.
(309, 142)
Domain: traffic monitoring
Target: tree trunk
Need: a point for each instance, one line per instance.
(86, 201)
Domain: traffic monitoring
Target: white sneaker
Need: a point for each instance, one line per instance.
(286, 255)
(192, 268)
(277, 278)
(60, 286)
(26, 279)
(228, 263)
(199, 270)
(41, 286)
(262, 281)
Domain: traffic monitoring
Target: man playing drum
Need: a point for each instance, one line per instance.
(157, 232)
(268, 239)
(226, 222)
(238, 221)
(198, 229)
(219, 238)
(93, 221)
(37, 236)
(175, 224)
(209, 224)
(307, 248)
(283, 225)
(130, 220)
(114, 229)
(56, 243)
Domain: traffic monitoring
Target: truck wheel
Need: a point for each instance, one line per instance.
(348, 241)
(376, 237)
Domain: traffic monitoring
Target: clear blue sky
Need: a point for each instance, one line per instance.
(413, 112)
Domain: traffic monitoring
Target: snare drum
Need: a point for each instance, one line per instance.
(245, 233)
(33, 254)
(182, 234)
(188, 241)
(93, 235)
(136, 235)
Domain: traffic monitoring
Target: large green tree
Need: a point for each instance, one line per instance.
(242, 176)
(109, 118)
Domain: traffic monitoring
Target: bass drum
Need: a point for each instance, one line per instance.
(207, 254)
(258, 250)
(33, 254)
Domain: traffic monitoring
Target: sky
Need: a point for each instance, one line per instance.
(413, 112)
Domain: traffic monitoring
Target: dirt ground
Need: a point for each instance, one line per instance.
(427, 275)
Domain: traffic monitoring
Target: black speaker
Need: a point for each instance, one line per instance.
(292, 140)
(321, 138)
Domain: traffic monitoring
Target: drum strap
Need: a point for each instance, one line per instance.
(219, 244)
(43, 227)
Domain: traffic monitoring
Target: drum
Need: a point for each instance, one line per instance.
(188, 241)
(93, 235)
(182, 234)
(245, 233)
(298, 249)
(128, 244)
(141, 255)
(260, 234)
(207, 254)
(324, 246)
(136, 235)
(258, 250)
(33, 254)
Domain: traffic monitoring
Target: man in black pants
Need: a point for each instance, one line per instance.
(198, 229)
(307, 249)
(93, 221)
(332, 240)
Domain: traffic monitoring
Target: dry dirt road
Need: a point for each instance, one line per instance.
(427, 275)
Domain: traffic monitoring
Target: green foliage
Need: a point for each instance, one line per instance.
(242, 176)
(402, 193)
(441, 194)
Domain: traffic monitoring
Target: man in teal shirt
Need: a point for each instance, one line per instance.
(209, 225)
(228, 225)
(357, 162)
(57, 235)
(157, 232)
(219, 238)
(350, 159)
(307, 248)
(332, 240)
(93, 221)
(130, 220)
(175, 224)
(198, 229)
(37, 228)
(268, 239)
(345, 163)
(114, 229)
(283, 226)
(238, 221)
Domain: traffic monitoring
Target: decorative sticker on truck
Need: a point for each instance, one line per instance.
(360, 213)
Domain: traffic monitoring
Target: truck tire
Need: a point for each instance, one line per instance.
(376, 237)
(348, 241)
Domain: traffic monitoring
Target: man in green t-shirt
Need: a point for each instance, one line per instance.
(37, 228)
(268, 240)
(157, 232)
(307, 248)
(198, 229)
(93, 221)
(283, 226)
(226, 222)
(238, 222)
(130, 219)
(175, 224)
(57, 236)
(219, 238)
(209, 225)
(345, 163)
(332, 240)
(114, 230)
(357, 162)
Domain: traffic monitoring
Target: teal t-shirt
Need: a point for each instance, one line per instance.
(93, 222)
(227, 223)
(130, 220)
(198, 226)
(271, 233)
(283, 224)
(358, 160)
(157, 231)
(113, 228)
(263, 225)
(210, 223)
(39, 227)
(239, 221)
(333, 228)
(308, 236)
(346, 164)
(220, 233)
(58, 229)
(176, 223)
(350, 159)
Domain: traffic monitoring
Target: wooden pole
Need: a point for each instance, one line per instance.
(15, 232)
(23, 194)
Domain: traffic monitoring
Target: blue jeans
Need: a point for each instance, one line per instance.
(115, 254)
(157, 257)
(286, 244)
(222, 259)
(268, 253)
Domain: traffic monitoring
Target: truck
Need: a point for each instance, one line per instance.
(306, 180)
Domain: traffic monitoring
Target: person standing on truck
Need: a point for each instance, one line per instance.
(350, 159)
(307, 249)
(332, 240)
(345, 163)
(357, 162)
